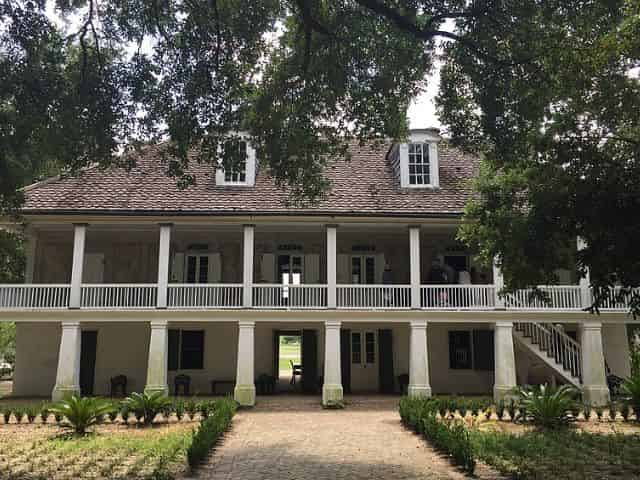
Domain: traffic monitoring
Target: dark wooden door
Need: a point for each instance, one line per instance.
(385, 365)
(345, 359)
(309, 361)
(88, 345)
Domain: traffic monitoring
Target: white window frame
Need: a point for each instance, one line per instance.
(429, 140)
(250, 168)
(198, 256)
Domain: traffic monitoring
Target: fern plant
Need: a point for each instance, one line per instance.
(81, 412)
(145, 406)
(548, 407)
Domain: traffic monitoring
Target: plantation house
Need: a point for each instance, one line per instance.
(127, 275)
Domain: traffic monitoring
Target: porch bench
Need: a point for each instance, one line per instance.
(215, 383)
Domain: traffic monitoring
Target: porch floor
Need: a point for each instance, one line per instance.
(292, 437)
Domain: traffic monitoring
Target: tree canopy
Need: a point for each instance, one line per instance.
(546, 91)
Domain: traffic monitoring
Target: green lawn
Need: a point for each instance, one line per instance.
(288, 352)
(565, 454)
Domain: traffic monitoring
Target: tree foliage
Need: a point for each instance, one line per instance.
(546, 91)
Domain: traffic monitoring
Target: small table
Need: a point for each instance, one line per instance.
(215, 383)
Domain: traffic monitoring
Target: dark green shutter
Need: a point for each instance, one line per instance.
(174, 347)
(483, 352)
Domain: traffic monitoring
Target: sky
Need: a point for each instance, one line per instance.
(422, 111)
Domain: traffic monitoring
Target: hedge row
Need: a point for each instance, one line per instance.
(450, 436)
(210, 430)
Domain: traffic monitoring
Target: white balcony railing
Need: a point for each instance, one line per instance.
(457, 297)
(613, 303)
(272, 295)
(205, 295)
(305, 296)
(34, 296)
(560, 297)
(119, 295)
(373, 296)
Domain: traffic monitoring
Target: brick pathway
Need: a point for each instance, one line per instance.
(286, 438)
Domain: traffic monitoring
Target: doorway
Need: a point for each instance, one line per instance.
(288, 360)
(88, 346)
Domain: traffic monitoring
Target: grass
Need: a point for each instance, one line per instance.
(31, 452)
(288, 352)
(566, 454)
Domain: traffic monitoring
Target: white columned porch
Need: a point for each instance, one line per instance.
(332, 388)
(157, 362)
(419, 384)
(68, 373)
(245, 389)
(505, 361)
(331, 266)
(163, 264)
(414, 265)
(594, 377)
(247, 265)
(79, 237)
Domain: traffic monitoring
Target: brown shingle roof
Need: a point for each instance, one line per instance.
(365, 185)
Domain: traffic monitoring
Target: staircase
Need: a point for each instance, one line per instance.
(554, 347)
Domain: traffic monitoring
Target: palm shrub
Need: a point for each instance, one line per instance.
(546, 406)
(81, 412)
(631, 393)
(145, 406)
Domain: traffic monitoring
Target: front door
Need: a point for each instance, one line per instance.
(364, 361)
(88, 346)
(309, 361)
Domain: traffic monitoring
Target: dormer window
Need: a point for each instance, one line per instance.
(416, 162)
(237, 167)
(419, 164)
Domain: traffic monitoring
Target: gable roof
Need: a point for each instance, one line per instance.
(363, 186)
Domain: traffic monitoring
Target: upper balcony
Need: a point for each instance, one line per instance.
(268, 266)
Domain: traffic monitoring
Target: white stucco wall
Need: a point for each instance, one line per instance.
(615, 342)
(36, 359)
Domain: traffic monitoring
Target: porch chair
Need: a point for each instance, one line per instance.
(183, 381)
(295, 370)
(119, 382)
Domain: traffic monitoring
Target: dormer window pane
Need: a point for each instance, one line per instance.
(238, 174)
(419, 168)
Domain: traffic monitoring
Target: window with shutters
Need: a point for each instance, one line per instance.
(186, 350)
(356, 348)
(471, 349)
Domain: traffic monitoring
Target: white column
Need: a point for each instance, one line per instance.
(331, 266)
(247, 265)
(245, 390)
(30, 254)
(332, 387)
(414, 264)
(584, 282)
(68, 373)
(79, 236)
(505, 361)
(157, 362)
(419, 384)
(163, 263)
(498, 282)
(594, 376)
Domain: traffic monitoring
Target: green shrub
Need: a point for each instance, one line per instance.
(179, 408)
(449, 436)
(191, 408)
(32, 412)
(81, 413)
(18, 413)
(547, 407)
(44, 413)
(210, 430)
(631, 393)
(145, 406)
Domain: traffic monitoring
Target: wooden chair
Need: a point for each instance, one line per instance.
(183, 381)
(295, 370)
(119, 382)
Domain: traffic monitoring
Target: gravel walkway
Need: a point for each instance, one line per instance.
(286, 438)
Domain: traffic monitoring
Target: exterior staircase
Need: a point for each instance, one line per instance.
(554, 347)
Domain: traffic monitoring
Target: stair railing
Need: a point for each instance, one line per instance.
(559, 346)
